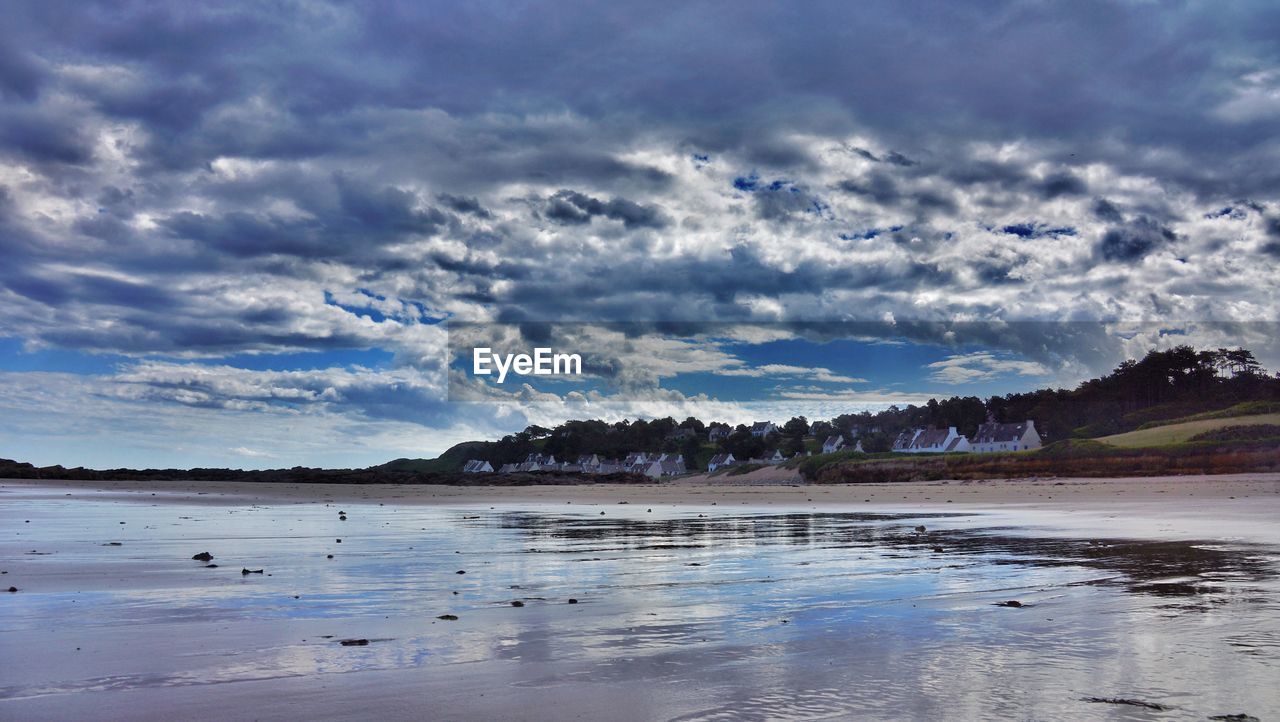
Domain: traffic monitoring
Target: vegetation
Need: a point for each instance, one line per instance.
(1185, 431)
(1259, 432)
(1073, 457)
(1248, 408)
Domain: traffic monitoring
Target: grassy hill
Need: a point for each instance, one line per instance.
(451, 460)
(1177, 433)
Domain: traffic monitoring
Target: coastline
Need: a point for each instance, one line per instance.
(1237, 505)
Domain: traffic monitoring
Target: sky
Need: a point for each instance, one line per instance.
(242, 234)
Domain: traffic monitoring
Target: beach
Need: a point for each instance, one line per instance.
(692, 600)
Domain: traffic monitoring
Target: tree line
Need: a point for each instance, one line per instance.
(1164, 384)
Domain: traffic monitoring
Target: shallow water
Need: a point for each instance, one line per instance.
(689, 613)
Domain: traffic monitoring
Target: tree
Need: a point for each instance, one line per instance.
(797, 427)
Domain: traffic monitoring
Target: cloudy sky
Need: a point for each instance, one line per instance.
(238, 234)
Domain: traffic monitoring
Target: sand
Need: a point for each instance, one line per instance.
(700, 599)
(1185, 506)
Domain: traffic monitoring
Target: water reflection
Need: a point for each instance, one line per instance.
(766, 614)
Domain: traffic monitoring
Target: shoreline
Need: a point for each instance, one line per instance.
(1235, 506)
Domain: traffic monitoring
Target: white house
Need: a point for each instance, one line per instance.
(477, 466)
(833, 444)
(931, 441)
(718, 431)
(774, 457)
(538, 462)
(509, 468)
(763, 428)
(994, 436)
(589, 463)
(669, 465)
(721, 461)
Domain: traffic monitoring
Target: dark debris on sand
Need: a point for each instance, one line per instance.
(1131, 702)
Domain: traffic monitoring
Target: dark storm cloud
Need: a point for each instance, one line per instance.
(42, 136)
(988, 173)
(464, 204)
(20, 75)
(1062, 184)
(363, 218)
(1105, 210)
(1132, 241)
(1273, 227)
(1272, 247)
(879, 187)
(573, 208)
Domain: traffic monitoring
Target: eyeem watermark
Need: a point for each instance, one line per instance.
(543, 362)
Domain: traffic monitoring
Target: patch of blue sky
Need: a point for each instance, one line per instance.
(14, 358)
(421, 314)
(747, 183)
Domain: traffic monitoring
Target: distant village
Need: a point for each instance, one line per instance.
(991, 437)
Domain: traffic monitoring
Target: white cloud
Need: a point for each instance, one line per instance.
(982, 366)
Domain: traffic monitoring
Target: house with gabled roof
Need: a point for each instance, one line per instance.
(538, 462)
(718, 431)
(721, 461)
(931, 441)
(993, 436)
(477, 466)
(833, 444)
(669, 465)
(770, 457)
(763, 428)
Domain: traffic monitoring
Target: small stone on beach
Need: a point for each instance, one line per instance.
(203, 557)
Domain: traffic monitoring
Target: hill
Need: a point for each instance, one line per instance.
(1177, 433)
(452, 459)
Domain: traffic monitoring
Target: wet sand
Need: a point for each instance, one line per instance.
(695, 601)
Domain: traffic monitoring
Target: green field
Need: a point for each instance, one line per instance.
(1178, 433)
